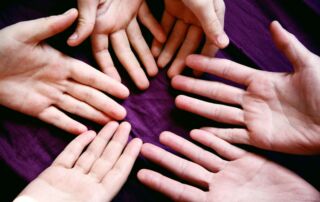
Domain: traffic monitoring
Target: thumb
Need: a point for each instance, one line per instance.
(297, 54)
(207, 15)
(86, 21)
(40, 29)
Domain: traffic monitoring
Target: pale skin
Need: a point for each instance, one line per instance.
(115, 22)
(185, 21)
(94, 174)
(236, 175)
(37, 80)
(279, 111)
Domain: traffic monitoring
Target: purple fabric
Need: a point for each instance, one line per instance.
(28, 146)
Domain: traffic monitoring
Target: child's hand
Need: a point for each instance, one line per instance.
(95, 173)
(278, 111)
(39, 81)
(185, 21)
(234, 175)
(116, 23)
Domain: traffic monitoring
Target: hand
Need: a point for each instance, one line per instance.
(240, 176)
(184, 19)
(93, 174)
(39, 81)
(279, 110)
(116, 21)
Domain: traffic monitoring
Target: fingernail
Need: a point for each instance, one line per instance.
(69, 11)
(223, 40)
(73, 36)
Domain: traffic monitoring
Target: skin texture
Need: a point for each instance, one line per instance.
(115, 22)
(39, 81)
(94, 174)
(234, 175)
(185, 21)
(279, 111)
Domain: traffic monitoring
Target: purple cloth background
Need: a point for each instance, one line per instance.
(27, 146)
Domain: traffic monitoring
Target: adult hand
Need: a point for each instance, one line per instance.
(234, 175)
(39, 81)
(96, 173)
(278, 110)
(185, 20)
(116, 21)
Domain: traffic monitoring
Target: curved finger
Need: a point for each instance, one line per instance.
(149, 21)
(98, 100)
(86, 21)
(189, 46)
(222, 147)
(175, 190)
(79, 108)
(54, 116)
(184, 169)
(114, 180)
(216, 112)
(223, 68)
(121, 46)
(101, 53)
(71, 153)
(167, 23)
(195, 153)
(87, 75)
(210, 89)
(112, 151)
(175, 40)
(141, 47)
(95, 149)
(231, 135)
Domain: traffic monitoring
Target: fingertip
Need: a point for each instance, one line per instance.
(80, 129)
(143, 85)
(142, 175)
(126, 124)
(222, 40)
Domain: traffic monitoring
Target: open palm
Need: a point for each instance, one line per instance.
(117, 22)
(93, 174)
(39, 81)
(278, 110)
(240, 176)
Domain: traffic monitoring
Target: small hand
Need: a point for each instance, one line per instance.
(116, 22)
(96, 173)
(236, 175)
(39, 81)
(185, 21)
(278, 110)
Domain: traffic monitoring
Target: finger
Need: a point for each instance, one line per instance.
(40, 29)
(95, 149)
(223, 148)
(196, 154)
(71, 153)
(167, 23)
(96, 99)
(59, 119)
(86, 21)
(234, 135)
(114, 180)
(210, 89)
(141, 47)
(87, 75)
(189, 46)
(175, 190)
(175, 40)
(121, 46)
(112, 152)
(223, 68)
(298, 55)
(101, 53)
(148, 20)
(206, 14)
(184, 169)
(216, 112)
(74, 106)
